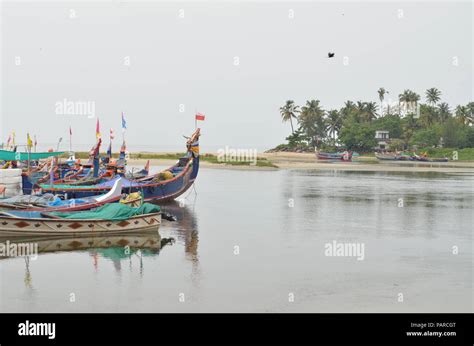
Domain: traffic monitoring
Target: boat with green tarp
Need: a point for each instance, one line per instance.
(113, 218)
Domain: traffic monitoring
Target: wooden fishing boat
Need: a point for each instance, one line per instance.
(425, 158)
(27, 223)
(391, 157)
(344, 156)
(154, 188)
(31, 203)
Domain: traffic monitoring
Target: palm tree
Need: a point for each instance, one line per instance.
(381, 93)
(433, 95)
(409, 99)
(347, 110)
(359, 111)
(288, 112)
(333, 123)
(311, 121)
(443, 112)
(370, 111)
(403, 98)
(464, 115)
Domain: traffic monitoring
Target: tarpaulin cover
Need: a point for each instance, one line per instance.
(8, 155)
(112, 211)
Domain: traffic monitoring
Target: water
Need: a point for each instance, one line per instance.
(408, 223)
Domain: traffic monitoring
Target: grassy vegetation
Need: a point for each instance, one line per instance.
(261, 162)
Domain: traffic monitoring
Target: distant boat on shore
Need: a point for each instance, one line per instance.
(340, 156)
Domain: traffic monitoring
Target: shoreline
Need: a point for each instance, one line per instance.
(308, 161)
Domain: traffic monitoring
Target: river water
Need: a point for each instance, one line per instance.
(257, 241)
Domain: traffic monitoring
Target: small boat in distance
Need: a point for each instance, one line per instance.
(392, 157)
(340, 156)
(403, 157)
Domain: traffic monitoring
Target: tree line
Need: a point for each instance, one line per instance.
(409, 122)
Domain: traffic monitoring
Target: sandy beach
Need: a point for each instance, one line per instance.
(285, 160)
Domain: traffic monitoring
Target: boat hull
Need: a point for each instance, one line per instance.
(334, 157)
(151, 191)
(19, 227)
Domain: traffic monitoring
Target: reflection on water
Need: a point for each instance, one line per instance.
(114, 249)
(185, 229)
(280, 221)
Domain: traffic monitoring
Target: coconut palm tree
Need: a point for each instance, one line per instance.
(433, 95)
(347, 110)
(311, 121)
(333, 123)
(288, 112)
(443, 112)
(463, 115)
(370, 111)
(381, 93)
(409, 99)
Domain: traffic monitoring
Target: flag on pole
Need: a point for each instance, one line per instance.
(70, 131)
(29, 142)
(9, 140)
(97, 129)
(13, 138)
(124, 123)
(200, 116)
(36, 142)
(112, 135)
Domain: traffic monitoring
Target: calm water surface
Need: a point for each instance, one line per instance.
(408, 223)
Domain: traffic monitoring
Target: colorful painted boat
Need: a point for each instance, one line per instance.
(344, 156)
(39, 203)
(110, 219)
(153, 188)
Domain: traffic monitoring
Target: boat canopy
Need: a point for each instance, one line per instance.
(8, 155)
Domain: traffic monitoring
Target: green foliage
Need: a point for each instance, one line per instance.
(312, 122)
(354, 124)
(357, 136)
(456, 134)
(427, 137)
(297, 140)
(391, 123)
(396, 144)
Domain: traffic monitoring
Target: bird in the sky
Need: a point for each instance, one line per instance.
(331, 55)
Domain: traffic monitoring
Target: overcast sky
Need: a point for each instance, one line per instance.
(53, 51)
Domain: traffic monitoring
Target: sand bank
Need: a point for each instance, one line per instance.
(285, 160)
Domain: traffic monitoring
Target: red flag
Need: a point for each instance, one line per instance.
(200, 116)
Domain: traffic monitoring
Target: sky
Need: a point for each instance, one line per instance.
(237, 62)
